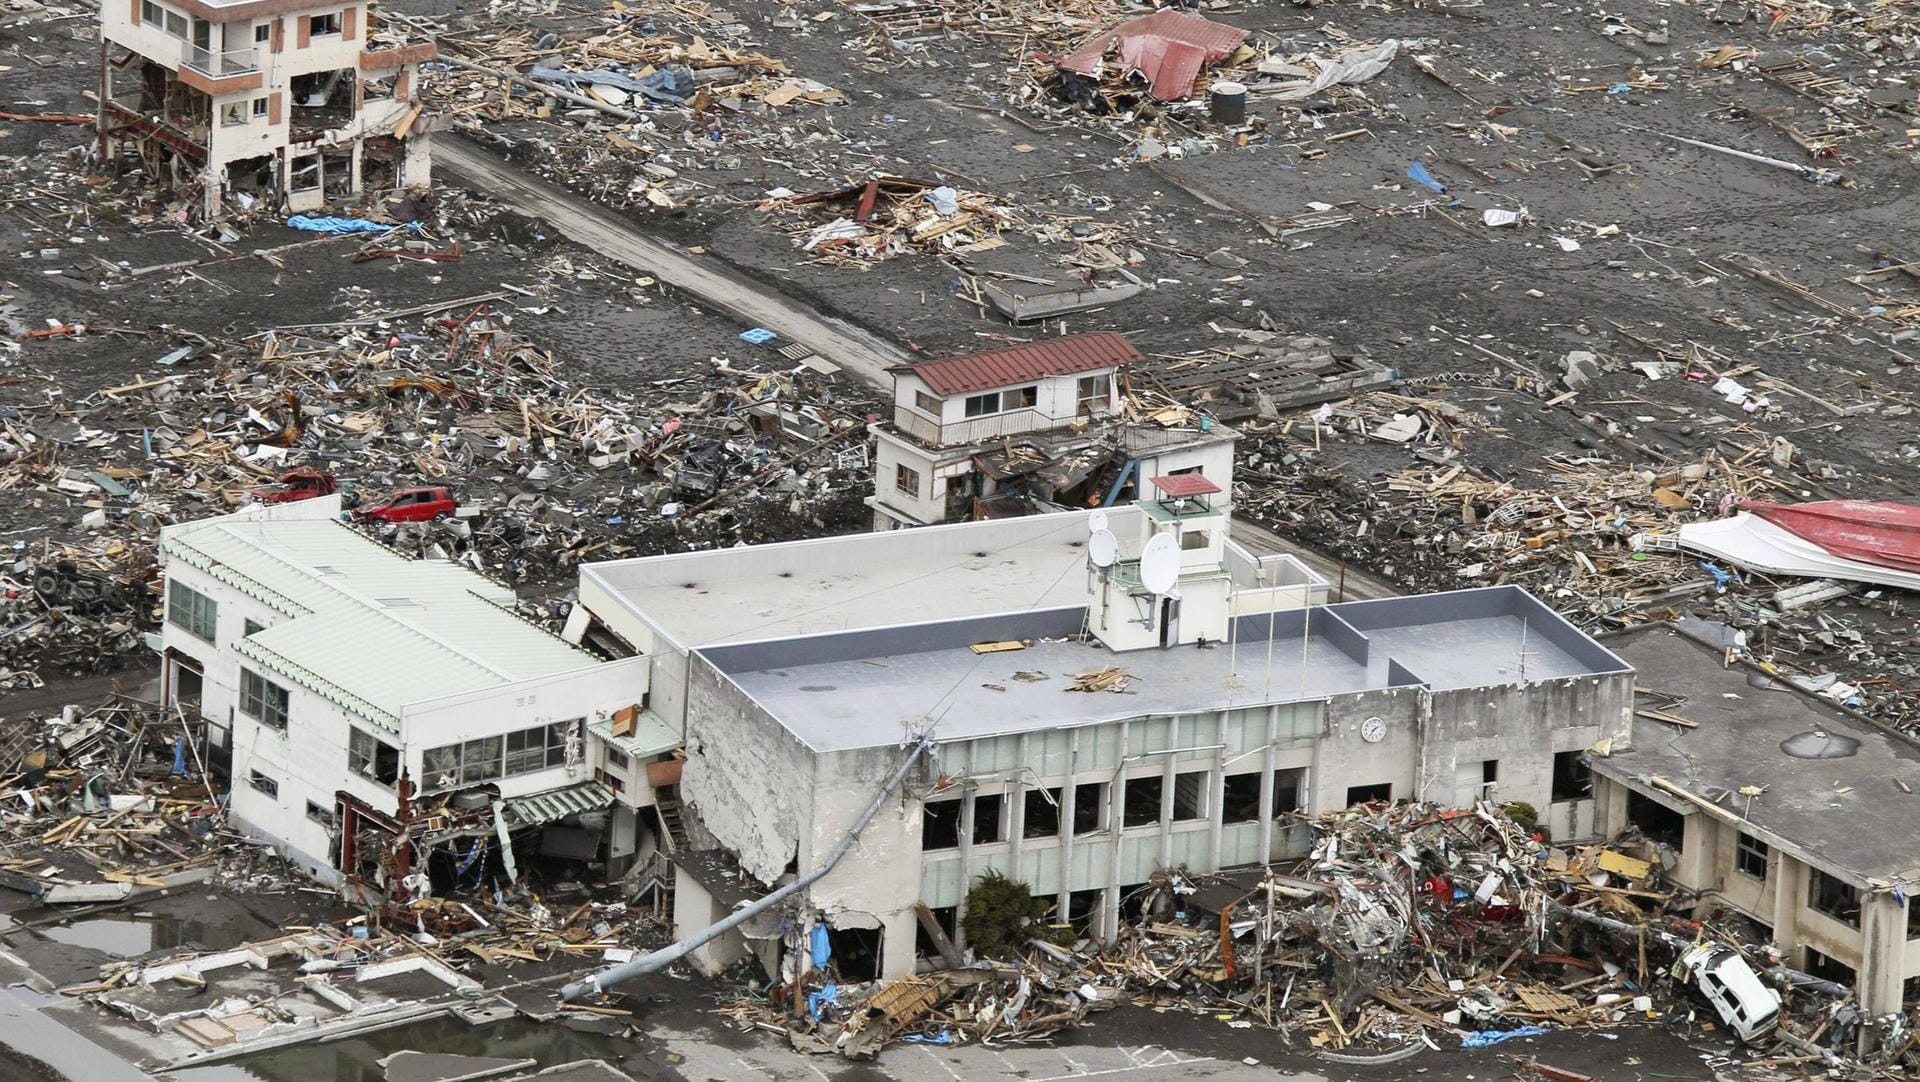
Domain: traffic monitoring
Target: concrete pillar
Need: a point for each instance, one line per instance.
(1217, 797)
(1266, 788)
(416, 160)
(1016, 814)
(1166, 794)
(898, 935)
(1116, 804)
(1788, 877)
(1698, 840)
(1883, 952)
(1067, 811)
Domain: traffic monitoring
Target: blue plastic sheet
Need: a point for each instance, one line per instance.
(942, 1037)
(341, 225)
(822, 946)
(1494, 1036)
(816, 999)
(1417, 172)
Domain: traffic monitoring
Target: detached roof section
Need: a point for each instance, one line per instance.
(371, 629)
(1014, 365)
(1168, 47)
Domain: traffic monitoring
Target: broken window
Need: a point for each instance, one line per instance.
(987, 827)
(1289, 787)
(320, 813)
(376, 89)
(1489, 772)
(303, 173)
(980, 405)
(1370, 794)
(940, 824)
(1240, 798)
(1090, 807)
(1193, 539)
(617, 760)
(1042, 814)
(1020, 397)
(1093, 395)
(264, 784)
(1083, 910)
(480, 760)
(440, 767)
(372, 758)
(191, 611)
(1572, 777)
(1836, 898)
(263, 700)
(320, 25)
(947, 918)
(1189, 796)
(611, 781)
(526, 751)
(1142, 801)
(1750, 856)
(926, 403)
(906, 479)
(233, 113)
(1656, 821)
(1828, 969)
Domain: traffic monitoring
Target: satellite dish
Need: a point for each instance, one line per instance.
(1102, 547)
(1160, 564)
(1096, 522)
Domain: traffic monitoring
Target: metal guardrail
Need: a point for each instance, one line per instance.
(218, 64)
(973, 429)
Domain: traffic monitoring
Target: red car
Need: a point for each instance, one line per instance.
(410, 505)
(300, 483)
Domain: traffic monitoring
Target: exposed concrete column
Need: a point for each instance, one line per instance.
(1217, 798)
(966, 852)
(1266, 787)
(1166, 793)
(1788, 878)
(1067, 811)
(1883, 951)
(1698, 840)
(899, 934)
(1017, 814)
(416, 161)
(1116, 823)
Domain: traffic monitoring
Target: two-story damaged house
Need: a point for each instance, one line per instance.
(1033, 427)
(393, 726)
(294, 103)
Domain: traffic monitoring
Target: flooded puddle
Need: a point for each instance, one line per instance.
(132, 936)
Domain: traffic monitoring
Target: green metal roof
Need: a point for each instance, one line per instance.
(651, 735)
(370, 629)
(556, 804)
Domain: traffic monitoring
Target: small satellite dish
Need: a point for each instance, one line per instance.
(1160, 564)
(1096, 522)
(1102, 547)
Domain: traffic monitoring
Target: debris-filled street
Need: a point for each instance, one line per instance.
(1618, 305)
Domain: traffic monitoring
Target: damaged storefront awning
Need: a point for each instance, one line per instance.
(556, 804)
(650, 735)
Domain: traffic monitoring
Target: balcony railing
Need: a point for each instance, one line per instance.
(973, 429)
(218, 64)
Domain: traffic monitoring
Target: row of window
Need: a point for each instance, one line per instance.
(1091, 395)
(263, 700)
(489, 757)
(161, 17)
(1140, 805)
(191, 611)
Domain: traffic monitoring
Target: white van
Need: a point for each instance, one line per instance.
(1748, 1007)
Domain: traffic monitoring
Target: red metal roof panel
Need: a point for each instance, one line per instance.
(1024, 363)
(1185, 484)
(1168, 47)
(1887, 534)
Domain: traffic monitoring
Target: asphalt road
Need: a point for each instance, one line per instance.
(705, 277)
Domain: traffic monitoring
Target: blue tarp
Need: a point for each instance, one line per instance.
(1494, 1036)
(816, 999)
(1417, 172)
(343, 225)
(822, 946)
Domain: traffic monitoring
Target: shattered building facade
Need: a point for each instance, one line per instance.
(1038, 426)
(1775, 804)
(1086, 730)
(255, 102)
(391, 723)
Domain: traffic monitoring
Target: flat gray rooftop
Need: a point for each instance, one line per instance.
(862, 690)
(846, 583)
(1848, 812)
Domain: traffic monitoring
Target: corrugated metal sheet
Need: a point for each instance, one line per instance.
(651, 735)
(1185, 484)
(1874, 532)
(1015, 365)
(1168, 47)
(556, 804)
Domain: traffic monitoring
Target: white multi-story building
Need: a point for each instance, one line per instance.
(375, 707)
(295, 104)
(1038, 426)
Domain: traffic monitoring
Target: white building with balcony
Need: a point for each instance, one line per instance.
(253, 101)
(1034, 427)
(393, 726)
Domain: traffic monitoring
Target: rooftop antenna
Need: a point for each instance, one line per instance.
(1097, 520)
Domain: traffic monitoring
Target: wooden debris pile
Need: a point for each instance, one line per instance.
(874, 220)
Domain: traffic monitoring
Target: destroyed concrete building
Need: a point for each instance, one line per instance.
(250, 103)
(1037, 426)
(1093, 710)
(374, 707)
(1766, 800)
